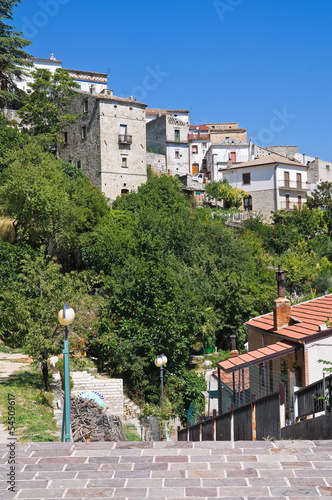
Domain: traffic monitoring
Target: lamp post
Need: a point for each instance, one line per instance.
(66, 316)
(161, 361)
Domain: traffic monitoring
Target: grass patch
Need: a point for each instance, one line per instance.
(130, 432)
(34, 419)
(12, 350)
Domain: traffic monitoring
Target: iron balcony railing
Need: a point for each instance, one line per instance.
(295, 185)
(125, 139)
(285, 205)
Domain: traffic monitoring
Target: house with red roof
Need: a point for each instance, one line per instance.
(284, 346)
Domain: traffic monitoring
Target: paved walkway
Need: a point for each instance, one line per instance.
(170, 470)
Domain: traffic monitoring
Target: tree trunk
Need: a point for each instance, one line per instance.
(44, 367)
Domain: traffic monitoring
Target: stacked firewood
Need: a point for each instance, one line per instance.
(89, 422)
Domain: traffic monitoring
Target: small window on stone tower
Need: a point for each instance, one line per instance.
(124, 162)
(85, 106)
(83, 132)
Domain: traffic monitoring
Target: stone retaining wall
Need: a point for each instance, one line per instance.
(111, 389)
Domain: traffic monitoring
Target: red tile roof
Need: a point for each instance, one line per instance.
(199, 127)
(308, 317)
(227, 379)
(254, 357)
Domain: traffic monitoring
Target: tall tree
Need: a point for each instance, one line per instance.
(29, 309)
(13, 58)
(46, 107)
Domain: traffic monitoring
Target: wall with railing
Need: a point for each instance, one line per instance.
(258, 420)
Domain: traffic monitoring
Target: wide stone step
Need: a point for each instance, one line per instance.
(170, 470)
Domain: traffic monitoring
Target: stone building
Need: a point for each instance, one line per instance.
(108, 141)
(222, 131)
(168, 135)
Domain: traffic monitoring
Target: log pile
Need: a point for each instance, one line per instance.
(89, 422)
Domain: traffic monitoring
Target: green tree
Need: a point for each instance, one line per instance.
(10, 138)
(13, 58)
(29, 308)
(47, 103)
(223, 191)
(50, 205)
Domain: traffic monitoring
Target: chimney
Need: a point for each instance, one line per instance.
(234, 351)
(281, 306)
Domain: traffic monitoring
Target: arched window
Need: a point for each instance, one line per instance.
(124, 192)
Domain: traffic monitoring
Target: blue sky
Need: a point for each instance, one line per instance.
(263, 63)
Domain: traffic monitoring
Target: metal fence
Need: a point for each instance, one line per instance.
(312, 398)
(259, 420)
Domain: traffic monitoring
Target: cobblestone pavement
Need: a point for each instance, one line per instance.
(169, 470)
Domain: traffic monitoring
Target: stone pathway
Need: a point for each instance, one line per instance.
(10, 363)
(283, 470)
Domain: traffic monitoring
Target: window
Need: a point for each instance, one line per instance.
(177, 153)
(79, 164)
(83, 132)
(123, 129)
(299, 181)
(204, 163)
(246, 178)
(124, 192)
(195, 150)
(286, 179)
(124, 163)
(203, 145)
(65, 137)
(287, 202)
(327, 167)
(177, 135)
(85, 106)
(299, 202)
(233, 157)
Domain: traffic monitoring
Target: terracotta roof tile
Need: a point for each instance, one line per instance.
(311, 314)
(254, 357)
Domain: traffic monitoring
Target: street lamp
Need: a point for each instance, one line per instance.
(66, 316)
(160, 361)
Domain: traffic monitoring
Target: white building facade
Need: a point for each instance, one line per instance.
(87, 80)
(272, 183)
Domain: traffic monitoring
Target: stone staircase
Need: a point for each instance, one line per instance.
(255, 470)
(130, 409)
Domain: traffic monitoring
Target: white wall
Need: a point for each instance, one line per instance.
(261, 178)
(180, 165)
(49, 65)
(320, 349)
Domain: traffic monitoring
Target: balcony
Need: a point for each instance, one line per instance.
(125, 139)
(285, 205)
(294, 185)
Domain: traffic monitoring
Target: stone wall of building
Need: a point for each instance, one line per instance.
(289, 151)
(83, 152)
(156, 135)
(157, 162)
(263, 202)
(123, 166)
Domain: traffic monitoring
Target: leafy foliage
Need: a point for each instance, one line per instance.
(46, 105)
(13, 58)
(223, 191)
